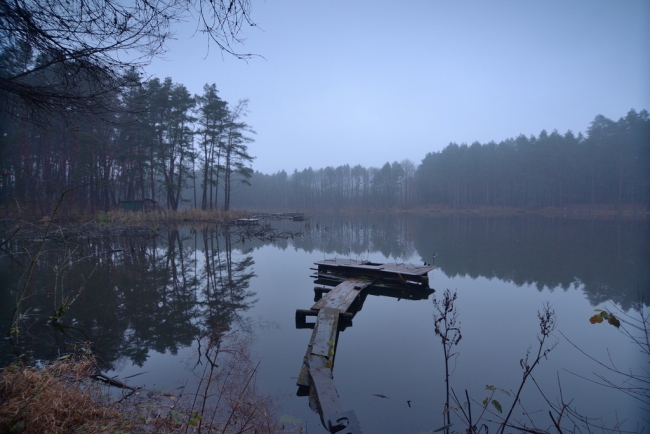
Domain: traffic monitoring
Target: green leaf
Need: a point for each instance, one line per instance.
(496, 405)
(488, 387)
(485, 402)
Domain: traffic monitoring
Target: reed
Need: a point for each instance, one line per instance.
(165, 217)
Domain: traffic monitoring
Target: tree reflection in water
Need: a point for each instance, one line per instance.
(146, 293)
(225, 281)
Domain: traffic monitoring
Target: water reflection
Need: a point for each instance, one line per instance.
(131, 295)
(608, 259)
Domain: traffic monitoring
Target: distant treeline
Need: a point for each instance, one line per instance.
(610, 165)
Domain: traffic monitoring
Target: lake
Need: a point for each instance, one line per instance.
(144, 299)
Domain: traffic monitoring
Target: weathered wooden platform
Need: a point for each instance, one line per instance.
(353, 281)
(392, 272)
(247, 222)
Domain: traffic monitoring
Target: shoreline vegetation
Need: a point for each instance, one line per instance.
(164, 218)
(170, 217)
(72, 395)
(577, 211)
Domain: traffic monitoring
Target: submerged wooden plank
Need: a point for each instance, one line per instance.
(343, 295)
(303, 375)
(323, 382)
(332, 416)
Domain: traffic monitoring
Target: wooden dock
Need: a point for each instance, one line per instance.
(247, 222)
(392, 273)
(353, 281)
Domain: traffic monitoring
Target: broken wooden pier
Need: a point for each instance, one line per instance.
(334, 308)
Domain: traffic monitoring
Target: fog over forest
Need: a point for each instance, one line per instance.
(182, 150)
(610, 165)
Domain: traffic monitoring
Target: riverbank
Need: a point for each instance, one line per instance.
(570, 211)
(168, 218)
(599, 212)
(164, 218)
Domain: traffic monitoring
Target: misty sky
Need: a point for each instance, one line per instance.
(366, 82)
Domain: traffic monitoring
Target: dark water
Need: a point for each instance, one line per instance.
(142, 301)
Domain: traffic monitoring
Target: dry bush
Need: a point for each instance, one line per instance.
(226, 398)
(61, 398)
(55, 400)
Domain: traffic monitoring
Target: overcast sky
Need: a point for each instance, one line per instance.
(366, 82)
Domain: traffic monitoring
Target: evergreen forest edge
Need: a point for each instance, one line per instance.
(162, 143)
(610, 166)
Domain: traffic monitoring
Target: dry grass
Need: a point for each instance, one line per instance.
(165, 217)
(55, 400)
(61, 398)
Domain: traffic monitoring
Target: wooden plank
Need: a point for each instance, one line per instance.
(351, 265)
(343, 295)
(303, 375)
(324, 337)
(344, 262)
(389, 278)
(385, 281)
(322, 343)
(408, 269)
(323, 382)
(332, 416)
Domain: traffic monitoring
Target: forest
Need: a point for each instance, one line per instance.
(162, 143)
(153, 140)
(610, 165)
(152, 145)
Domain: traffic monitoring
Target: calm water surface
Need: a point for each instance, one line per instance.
(146, 299)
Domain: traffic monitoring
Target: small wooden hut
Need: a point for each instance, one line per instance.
(145, 204)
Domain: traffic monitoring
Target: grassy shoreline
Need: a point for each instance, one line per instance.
(170, 218)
